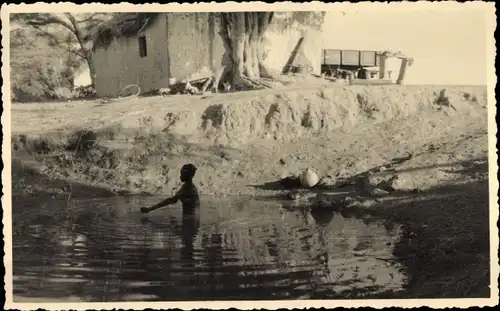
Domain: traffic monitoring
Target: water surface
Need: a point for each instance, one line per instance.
(235, 248)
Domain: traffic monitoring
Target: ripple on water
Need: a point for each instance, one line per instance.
(234, 249)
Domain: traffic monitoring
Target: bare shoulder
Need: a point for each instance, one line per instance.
(187, 190)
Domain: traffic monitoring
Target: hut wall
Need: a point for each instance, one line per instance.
(178, 45)
(120, 63)
(193, 43)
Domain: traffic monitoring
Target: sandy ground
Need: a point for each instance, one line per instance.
(427, 140)
(243, 141)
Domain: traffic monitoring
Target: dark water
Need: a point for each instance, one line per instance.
(105, 250)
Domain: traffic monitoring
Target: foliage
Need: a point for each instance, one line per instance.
(39, 68)
(120, 25)
(85, 92)
(67, 30)
(299, 20)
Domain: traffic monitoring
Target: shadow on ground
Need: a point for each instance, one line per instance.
(445, 240)
(476, 168)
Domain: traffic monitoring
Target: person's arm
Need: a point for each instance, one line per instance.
(163, 203)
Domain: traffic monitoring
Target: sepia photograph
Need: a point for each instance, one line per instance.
(249, 154)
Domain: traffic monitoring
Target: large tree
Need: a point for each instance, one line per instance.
(77, 26)
(243, 33)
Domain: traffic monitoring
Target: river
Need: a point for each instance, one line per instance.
(103, 250)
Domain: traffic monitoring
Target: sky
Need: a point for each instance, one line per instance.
(449, 46)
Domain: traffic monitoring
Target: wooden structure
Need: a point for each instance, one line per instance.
(361, 65)
(298, 62)
(405, 63)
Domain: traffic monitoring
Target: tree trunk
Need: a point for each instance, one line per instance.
(263, 23)
(242, 34)
(238, 39)
(254, 42)
(90, 62)
(89, 59)
(251, 70)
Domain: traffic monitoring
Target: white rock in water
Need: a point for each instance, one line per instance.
(309, 178)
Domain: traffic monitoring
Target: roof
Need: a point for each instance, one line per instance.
(122, 25)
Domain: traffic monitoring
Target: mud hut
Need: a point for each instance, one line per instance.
(147, 49)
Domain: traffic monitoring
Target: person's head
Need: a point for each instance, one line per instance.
(187, 172)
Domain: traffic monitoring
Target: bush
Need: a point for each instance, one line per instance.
(85, 92)
(40, 71)
(39, 80)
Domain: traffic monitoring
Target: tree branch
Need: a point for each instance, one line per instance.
(51, 20)
(78, 35)
(78, 54)
(92, 18)
(71, 19)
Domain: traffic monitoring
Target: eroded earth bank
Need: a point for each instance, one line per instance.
(241, 141)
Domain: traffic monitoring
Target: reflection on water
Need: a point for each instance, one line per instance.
(105, 250)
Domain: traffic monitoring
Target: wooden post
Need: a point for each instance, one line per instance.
(381, 66)
(292, 57)
(402, 70)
